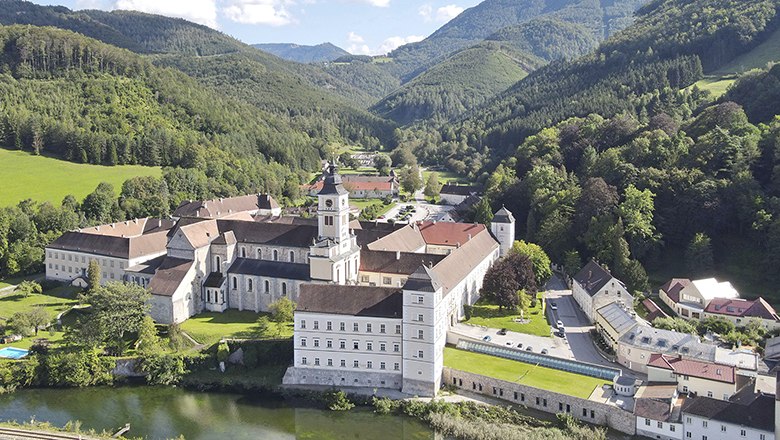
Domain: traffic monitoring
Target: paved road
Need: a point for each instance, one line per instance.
(425, 210)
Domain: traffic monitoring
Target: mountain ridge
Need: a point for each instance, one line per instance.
(302, 53)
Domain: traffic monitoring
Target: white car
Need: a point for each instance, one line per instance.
(559, 324)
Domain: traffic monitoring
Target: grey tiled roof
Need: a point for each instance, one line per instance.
(380, 302)
(266, 268)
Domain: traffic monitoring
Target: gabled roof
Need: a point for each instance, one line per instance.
(126, 240)
(279, 234)
(404, 263)
(753, 410)
(503, 216)
(669, 342)
(653, 311)
(267, 268)
(592, 277)
(617, 317)
(673, 287)
(743, 308)
(459, 190)
(694, 368)
(379, 302)
(463, 260)
(449, 234)
(223, 207)
(169, 276)
(214, 280)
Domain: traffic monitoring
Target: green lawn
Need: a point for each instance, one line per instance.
(519, 372)
(488, 315)
(54, 301)
(16, 280)
(208, 328)
(364, 203)
(48, 179)
(445, 176)
(716, 85)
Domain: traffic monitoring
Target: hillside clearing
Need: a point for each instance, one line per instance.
(25, 176)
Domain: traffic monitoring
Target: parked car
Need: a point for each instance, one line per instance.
(529, 348)
(487, 338)
(561, 334)
(502, 332)
(553, 305)
(559, 324)
(544, 351)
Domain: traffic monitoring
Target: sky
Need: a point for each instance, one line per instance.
(364, 27)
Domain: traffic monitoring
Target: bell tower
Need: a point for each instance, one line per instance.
(335, 256)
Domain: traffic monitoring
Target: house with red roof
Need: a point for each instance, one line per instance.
(708, 379)
(742, 311)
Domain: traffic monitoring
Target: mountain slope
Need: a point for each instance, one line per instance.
(480, 22)
(463, 81)
(302, 53)
(548, 38)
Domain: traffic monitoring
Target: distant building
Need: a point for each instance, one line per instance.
(594, 287)
(689, 298)
(362, 186)
(747, 415)
(115, 247)
(694, 376)
(658, 409)
(453, 194)
(613, 321)
(252, 205)
(742, 311)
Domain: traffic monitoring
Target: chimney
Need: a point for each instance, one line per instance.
(397, 255)
(159, 223)
(469, 236)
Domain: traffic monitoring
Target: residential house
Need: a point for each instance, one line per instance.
(453, 194)
(742, 311)
(747, 415)
(594, 287)
(260, 205)
(613, 321)
(689, 298)
(658, 409)
(694, 376)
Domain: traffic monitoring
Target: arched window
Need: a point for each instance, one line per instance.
(235, 283)
(219, 264)
(292, 256)
(276, 255)
(267, 286)
(249, 284)
(243, 252)
(259, 254)
(284, 289)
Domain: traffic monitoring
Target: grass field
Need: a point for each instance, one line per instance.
(716, 85)
(445, 176)
(54, 301)
(488, 315)
(208, 328)
(41, 178)
(16, 280)
(519, 372)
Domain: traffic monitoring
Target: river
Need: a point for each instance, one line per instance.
(162, 413)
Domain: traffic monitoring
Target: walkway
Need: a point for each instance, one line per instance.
(16, 434)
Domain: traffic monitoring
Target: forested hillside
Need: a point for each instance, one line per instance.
(79, 99)
(464, 81)
(302, 53)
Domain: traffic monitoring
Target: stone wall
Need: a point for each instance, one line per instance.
(596, 413)
(341, 378)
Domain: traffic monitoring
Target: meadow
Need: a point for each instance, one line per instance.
(40, 178)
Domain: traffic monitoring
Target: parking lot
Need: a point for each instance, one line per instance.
(422, 211)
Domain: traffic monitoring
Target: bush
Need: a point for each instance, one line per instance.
(338, 401)
(78, 369)
(223, 352)
(163, 369)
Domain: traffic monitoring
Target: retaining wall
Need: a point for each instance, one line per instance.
(596, 413)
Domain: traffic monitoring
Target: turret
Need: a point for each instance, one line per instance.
(503, 228)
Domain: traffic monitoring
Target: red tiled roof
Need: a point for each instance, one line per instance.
(757, 308)
(449, 234)
(653, 310)
(688, 367)
(673, 287)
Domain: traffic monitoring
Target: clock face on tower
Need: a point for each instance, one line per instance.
(328, 203)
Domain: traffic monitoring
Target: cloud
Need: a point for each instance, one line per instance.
(447, 13)
(268, 12)
(425, 12)
(377, 3)
(394, 42)
(355, 38)
(199, 11)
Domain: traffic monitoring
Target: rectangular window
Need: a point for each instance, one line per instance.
(420, 334)
(660, 425)
(303, 360)
(329, 326)
(722, 428)
(369, 346)
(330, 362)
(342, 327)
(316, 362)
(387, 281)
(704, 423)
(398, 329)
(420, 300)
(381, 328)
(303, 342)
(688, 434)
(396, 366)
(396, 348)
(342, 344)
(419, 318)
(368, 328)
(584, 412)
(355, 327)
(329, 343)
(355, 345)
(382, 346)
(381, 365)
(742, 432)
(303, 323)
(328, 220)
(419, 354)
(316, 343)
(343, 363)
(316, 325)
(369, 365)
(672, 428)
(355, 364)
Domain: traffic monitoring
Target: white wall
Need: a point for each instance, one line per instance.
(699, 427)
(659, 430)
